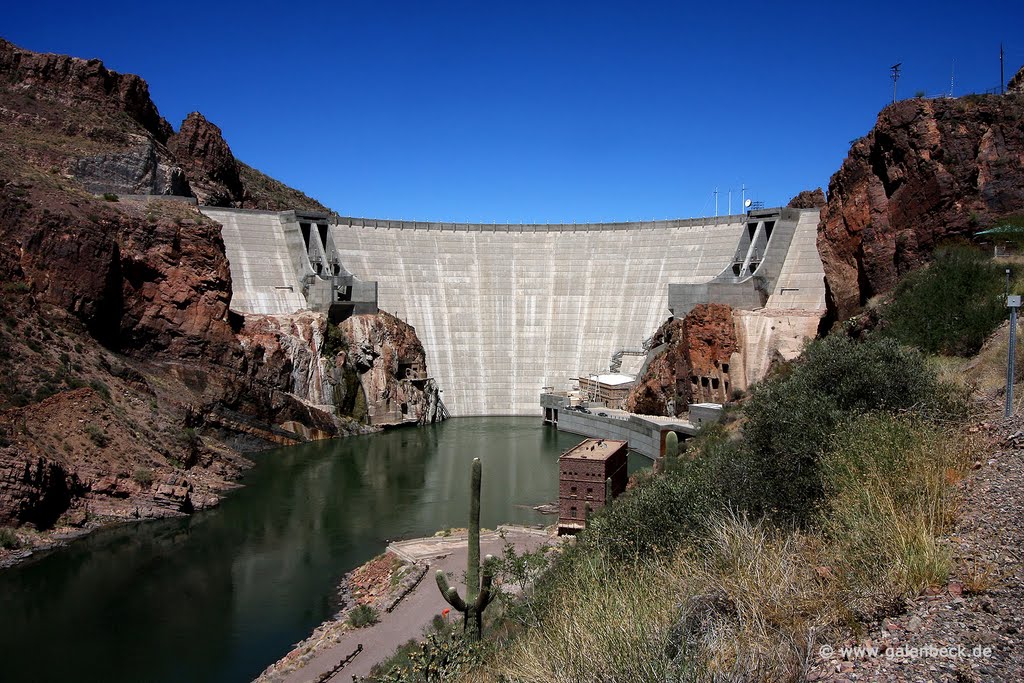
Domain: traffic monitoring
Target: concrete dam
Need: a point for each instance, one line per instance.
(504, 311)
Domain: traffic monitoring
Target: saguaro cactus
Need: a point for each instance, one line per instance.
(478, 593)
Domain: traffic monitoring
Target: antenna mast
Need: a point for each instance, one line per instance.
(895, 77)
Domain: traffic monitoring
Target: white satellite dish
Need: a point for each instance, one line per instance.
(747, 203)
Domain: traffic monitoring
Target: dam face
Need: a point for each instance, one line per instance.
(504, 311)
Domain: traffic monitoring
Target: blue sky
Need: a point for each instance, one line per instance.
(536, 111)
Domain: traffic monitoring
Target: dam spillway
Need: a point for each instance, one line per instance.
(504, 311)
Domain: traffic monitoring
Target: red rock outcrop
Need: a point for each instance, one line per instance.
(212, 169)
(75, 81)
(693, 367)
(928, 170)
(808, 199)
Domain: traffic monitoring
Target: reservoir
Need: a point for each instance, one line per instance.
(222, 594)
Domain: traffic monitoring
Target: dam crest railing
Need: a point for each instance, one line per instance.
(534, 227)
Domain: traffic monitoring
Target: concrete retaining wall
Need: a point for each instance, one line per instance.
(644, 436)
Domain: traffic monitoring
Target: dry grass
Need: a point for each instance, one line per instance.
(986, 372)
(891, 498)
(748, 601)
(747, 604)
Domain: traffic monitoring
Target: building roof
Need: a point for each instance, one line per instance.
(594, 449)
(611, 379)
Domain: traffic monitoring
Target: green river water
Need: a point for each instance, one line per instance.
(222, 594)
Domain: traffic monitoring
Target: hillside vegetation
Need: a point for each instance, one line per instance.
(819, 506)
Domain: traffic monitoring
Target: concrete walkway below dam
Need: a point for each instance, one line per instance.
(414, 613)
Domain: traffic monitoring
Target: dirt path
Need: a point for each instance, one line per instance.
(973, 629)
(414, 612)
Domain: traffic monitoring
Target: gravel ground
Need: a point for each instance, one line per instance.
(970, 630)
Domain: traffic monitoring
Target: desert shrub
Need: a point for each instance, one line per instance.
(110, 197)
(97, 435)
(442, 656)
(101, 388)
(740, 603)
(951, 306)
(889, 491)
(334, 341)
(362, 615)
(653, 518)
(790, 419)
(8, 539)
(143, 476)
(516, 572)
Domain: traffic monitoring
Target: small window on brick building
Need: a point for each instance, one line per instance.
(572, 489)
(589, 491)
(572, 512)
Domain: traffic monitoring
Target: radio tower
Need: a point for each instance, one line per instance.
(895, 77)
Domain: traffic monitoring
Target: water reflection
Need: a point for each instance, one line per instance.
(220, 595)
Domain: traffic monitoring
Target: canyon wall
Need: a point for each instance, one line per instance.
(930, 169)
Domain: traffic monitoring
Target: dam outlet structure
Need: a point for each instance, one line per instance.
(505, 311)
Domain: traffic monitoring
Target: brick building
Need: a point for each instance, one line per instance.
(582, 472)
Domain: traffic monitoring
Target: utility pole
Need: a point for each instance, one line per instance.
(1013, 302)
(716, 202)
(895, 77)
(730, 201)
(1002, 80)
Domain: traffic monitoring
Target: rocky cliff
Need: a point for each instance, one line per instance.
(691, 363)
(128, 386)
(930, 169)
(389, 360)
(77, 119)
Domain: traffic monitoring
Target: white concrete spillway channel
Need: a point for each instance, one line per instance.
(504, 311)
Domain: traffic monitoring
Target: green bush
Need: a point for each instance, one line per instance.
(654, 517)
(101, 388)
(440, 657)
(110, 197)
(97, 435)
(143, 476)
(334, 341)
(951, 306)
(362, 615)
(789, 420)
(8, 539)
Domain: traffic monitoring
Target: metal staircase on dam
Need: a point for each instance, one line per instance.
(616, 362)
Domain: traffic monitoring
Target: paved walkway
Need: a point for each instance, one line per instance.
(415, 612)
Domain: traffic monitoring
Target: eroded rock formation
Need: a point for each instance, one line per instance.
(128, 387)
(389, 360)
(692, 367)
(928, 170)
(808, 199)
(206, 157)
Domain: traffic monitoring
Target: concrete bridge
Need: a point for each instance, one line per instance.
(506, 310)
